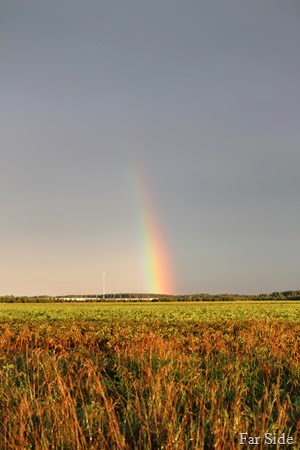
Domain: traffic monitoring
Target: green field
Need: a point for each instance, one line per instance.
(186, 311)
(148, 376)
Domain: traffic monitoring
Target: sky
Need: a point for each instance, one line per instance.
(155, 141)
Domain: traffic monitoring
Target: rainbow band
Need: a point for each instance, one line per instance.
(157, 267)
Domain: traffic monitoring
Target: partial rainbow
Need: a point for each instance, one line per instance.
(155, 259)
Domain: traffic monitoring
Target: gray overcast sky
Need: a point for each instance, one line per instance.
(202, 97)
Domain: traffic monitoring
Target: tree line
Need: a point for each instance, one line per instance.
(136, 297)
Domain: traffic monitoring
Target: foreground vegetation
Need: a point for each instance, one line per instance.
(147, 376)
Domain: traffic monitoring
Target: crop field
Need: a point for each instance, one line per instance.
(149, 376)
(165, 312)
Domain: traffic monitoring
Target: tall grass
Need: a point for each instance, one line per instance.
(147, 384)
